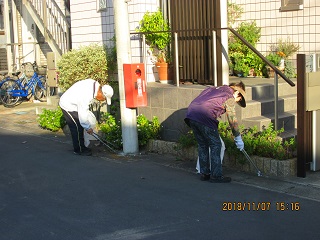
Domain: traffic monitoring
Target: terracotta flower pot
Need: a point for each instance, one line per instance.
(165, 72)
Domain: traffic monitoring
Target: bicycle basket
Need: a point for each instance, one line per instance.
(42, 70)
(27, 69)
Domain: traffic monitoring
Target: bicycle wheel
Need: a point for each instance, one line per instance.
(10, 93)
(40, 91)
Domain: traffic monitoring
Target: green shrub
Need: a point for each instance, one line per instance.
(289, 70)
(52, 120)
(85, 62)
(265, 143)
(187, 140)
(147, 129)
(113, 133)
(274, 58)
(111, 129)
(242, 59)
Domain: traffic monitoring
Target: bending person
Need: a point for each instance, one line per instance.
(75, 107)
(202, 117)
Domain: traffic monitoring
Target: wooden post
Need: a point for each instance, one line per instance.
(304, 120)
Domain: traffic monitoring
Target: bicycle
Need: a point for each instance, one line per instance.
(5, 77)
(12, 91)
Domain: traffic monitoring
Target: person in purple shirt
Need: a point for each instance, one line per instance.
(202, 116)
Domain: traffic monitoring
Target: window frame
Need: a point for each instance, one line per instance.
(291, 5)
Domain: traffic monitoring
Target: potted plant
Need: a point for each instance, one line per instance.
(275, 59)
(279, 56)
(158, 38)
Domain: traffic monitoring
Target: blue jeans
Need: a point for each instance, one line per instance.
(208, 138)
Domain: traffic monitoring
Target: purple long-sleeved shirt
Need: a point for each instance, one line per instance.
(210, 105)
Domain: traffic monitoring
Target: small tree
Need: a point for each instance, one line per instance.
(157, 35)
(242, 58)
(85, 62)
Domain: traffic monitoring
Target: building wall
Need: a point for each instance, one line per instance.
(300, 26)
(90, 26)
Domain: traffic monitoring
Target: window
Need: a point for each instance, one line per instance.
(101, 5)
(291, 5)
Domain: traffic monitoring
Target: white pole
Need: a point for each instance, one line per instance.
(128, 116)
(144, 47)
(177, 58)
(214, 48)
(224, 41)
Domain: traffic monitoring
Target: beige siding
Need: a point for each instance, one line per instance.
(90, 26)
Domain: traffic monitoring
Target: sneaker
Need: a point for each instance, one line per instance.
(204, 177)
(84, 152)
(220, 179)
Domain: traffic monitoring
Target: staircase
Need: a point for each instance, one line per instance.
(260, 105)
(51, 22)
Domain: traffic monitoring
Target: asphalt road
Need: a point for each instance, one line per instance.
(46, 192)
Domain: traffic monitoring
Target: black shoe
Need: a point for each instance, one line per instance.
(84, 152)
(220, 179)
(204, 177)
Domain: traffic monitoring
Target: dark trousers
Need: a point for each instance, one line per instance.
(208, 138)
(76, 130)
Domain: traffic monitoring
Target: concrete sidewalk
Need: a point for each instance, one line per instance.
(23, 119)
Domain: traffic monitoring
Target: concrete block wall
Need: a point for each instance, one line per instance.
(169, 103)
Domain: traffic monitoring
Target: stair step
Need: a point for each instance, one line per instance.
(265, 91)
(263, 88)
(288, 134)
(287, 120)
(266, 106)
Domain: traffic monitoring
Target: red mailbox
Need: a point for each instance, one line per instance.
(135, 85)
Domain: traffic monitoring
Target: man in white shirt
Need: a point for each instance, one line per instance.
(75, 107)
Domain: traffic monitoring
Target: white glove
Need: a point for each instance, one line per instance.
(239, 142)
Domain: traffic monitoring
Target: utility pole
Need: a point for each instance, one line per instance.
(128, 116)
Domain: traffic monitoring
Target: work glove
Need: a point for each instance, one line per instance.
(239, 142)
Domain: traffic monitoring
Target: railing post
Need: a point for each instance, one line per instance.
(276, 98)
(176, 57)
(214, 56)
(144, 52)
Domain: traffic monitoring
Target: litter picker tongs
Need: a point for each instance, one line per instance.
(108, 145)
(250, 160)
